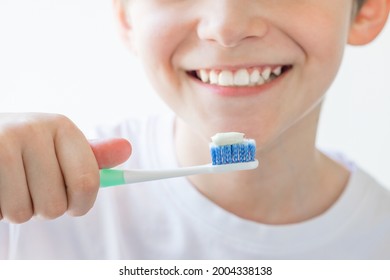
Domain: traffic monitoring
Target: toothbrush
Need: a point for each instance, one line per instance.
(229, 152)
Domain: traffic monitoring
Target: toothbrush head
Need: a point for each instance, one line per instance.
(232, 147)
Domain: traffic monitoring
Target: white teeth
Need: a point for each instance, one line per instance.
(242, 77)
(213, 78)
(226, 78)
(277, 71)
(256, 78)
(204, 76)
(266, 73)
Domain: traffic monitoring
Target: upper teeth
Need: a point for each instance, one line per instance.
(241, 77)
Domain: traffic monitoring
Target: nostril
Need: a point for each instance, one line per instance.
(231, 31)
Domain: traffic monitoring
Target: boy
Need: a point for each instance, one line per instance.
(259, 67)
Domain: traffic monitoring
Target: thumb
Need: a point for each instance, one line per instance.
(110, 152)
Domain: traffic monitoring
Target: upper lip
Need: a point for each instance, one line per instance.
(231, 67)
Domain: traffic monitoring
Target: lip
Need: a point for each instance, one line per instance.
(239, 91)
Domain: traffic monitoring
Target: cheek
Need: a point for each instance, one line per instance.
(156, 40)
(152, 42)
(322, 37)
(157, 31)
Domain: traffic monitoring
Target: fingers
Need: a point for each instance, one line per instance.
(15, 201)
(47, 166)
(111, 152)
(79, 168)
(44, 177)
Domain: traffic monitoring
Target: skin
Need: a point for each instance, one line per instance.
(172, 38)
(48, 167)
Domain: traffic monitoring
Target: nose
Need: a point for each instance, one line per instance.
(230, 22)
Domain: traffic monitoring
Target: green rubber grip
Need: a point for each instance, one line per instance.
(111, 177)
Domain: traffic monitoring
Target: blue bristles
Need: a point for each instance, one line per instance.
(242, 152)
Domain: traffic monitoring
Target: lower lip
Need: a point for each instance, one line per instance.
(231, 91)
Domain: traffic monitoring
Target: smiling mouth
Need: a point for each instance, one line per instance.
(244, 77)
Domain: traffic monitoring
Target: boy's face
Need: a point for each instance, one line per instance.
(177, 39)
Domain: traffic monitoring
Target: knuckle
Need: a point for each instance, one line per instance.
(85, 191)
(86, 184)
(63, 124)
(52, 210)
(60, 119)
(19, 215)
(78, 212)
(30, 125)
(22, 129)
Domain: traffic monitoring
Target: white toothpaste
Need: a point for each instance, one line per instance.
(227, 138)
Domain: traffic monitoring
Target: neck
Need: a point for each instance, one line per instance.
(293, 183)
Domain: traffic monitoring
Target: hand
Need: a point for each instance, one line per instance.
(48, 167)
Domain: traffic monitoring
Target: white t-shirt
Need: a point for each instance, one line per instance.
(170, 219)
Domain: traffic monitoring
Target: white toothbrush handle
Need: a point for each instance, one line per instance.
(112, 177)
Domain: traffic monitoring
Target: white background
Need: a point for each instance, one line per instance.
(66, 56)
